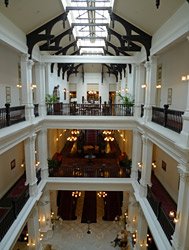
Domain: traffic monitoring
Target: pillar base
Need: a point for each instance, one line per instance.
(33, 189)
(42, 110)
(44, 173)
(29, 111)
(143, 190)
(134, 174)
(137, 111)
(147, 113)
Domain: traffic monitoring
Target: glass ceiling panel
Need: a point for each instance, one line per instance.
(91, 34)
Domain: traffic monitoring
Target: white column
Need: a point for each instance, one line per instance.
(53, 198)
(132, 213)
(26, 78)
(47, 77)
(142, 231)
(30, 164)
(44, 207)
(131, 80)
(136, 154)
(180, 239)
(151, 70)
(33, 231)
(42, 153)
(146, 165)
(40, 91)
(185, 127)
(139, 92)
(125, 202)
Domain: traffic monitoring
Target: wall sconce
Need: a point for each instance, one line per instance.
(185, 78)
(22, 165)
(158, 86)
(140, 164)
(143, 86)
(174, 216)
(154, 164)
(19, 85)
(33, 86)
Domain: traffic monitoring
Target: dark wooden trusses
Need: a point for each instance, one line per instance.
(132, 34)
(114, 69)
(129, 42)
(43, 33)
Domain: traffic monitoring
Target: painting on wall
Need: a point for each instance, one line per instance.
(159, 74)
(8, 94)
(13, 164)
(164, 165)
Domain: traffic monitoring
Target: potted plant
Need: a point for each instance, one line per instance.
(50, 100)
(128, 102)
(53, 165)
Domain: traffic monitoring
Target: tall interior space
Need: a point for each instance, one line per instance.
(94, 124)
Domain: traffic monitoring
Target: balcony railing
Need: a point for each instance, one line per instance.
(168, 118)
(11, 115)
(90, 171)
(164, 220)
(11, 205)
(89, 109)
(36, 110)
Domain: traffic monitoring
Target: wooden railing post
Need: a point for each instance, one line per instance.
(166, 106)
(7, 105)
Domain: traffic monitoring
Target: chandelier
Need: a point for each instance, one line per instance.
(75, 132)
(101, 194)
(107, 132)
(109, 138)
(72, 138)
(76, 194)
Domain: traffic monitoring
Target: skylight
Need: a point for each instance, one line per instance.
(84, 16)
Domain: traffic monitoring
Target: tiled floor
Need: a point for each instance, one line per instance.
(72, 235)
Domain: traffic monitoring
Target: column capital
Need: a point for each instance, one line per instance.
(147, 65)
(145, 138)
(30, 63)
(183, 171)
(24, 57)
(32, 137)
(153, 59)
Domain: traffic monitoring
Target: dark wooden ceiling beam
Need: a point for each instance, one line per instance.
(142, 37)
(64, 50)
(56, 40)
(35, 36)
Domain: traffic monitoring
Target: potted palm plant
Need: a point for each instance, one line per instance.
(128, 102)
(50, 100)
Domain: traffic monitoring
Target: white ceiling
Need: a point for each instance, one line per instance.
(28, 15)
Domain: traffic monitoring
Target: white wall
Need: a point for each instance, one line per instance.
(175, 63)
(169, 178)
(9, 60)
(9, 176)
(92, 78)
(55, 80)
